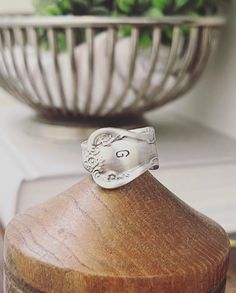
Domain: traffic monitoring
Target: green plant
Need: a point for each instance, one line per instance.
(126, 7)
(152, 8)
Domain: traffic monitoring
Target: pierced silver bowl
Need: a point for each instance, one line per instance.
(103, 74)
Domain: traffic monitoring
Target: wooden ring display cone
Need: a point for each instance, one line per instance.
(137, 238)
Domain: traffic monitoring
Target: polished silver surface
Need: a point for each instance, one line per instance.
(187, 54)
(115, 156)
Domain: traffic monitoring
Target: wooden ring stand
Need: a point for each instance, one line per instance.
(137, 238)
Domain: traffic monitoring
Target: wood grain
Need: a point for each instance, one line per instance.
(231, 276)
(138, 238)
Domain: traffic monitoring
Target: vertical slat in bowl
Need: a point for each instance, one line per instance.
(45, 84)
(156, 40)
(70, 41)
(111, 43)
(22, 37)
(18, 85)
(6, 81)
(202, 55)
(172, 60)
(183, 72)
(90, 44)
(204, 52)
(131, 69)
(54, 51)
(9, 46)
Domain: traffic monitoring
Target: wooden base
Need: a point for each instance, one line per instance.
(138, 238)
(231, 274)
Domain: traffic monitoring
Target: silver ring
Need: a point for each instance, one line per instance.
(116, 156)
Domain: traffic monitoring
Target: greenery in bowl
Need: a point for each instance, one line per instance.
(127, 7)
(152, 8)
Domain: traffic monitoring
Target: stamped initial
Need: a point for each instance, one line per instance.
(122, 153)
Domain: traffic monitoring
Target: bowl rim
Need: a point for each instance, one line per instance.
(70, 21)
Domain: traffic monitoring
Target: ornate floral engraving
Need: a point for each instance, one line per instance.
(154, 162)
(151, 136)
(114, 176)
(106, 139)
(92, 159)
(115, 164)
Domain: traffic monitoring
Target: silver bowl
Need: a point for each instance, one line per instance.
(169, 68)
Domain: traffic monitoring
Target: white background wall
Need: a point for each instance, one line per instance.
(213, 100)
(15, 5)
